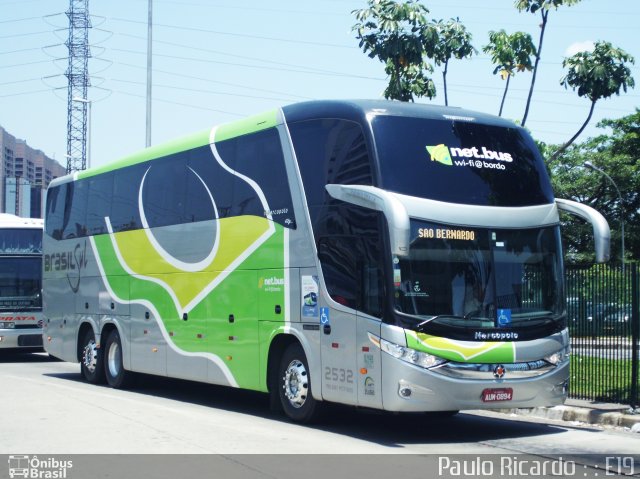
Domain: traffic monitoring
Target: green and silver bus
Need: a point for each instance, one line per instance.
(378, 254)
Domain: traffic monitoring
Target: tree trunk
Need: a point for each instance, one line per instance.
(573, 138)
(545, 15)
(444, 79)
(504, 95)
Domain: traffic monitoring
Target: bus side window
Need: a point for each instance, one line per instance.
(76, 210)
(100, 192)
(56, 197)
(124, 213)
(353, 272)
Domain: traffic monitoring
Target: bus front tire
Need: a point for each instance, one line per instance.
(294, 386)
(117, 376)
(91, 361)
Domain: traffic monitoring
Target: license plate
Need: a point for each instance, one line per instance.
(500, 394)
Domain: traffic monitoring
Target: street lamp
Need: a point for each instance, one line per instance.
(590, 165)
(88, 103)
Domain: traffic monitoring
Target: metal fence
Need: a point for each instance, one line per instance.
(602, 308)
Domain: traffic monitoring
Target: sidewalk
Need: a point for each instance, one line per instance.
(589, 412)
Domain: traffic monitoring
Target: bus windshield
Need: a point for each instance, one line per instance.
(460, 162)
(480, 278)
(20, 283)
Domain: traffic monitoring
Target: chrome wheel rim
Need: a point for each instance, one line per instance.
(296, 383)
(90, 356)
(114, 360)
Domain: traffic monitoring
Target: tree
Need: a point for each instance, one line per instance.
(453, 41)
(399, 35)
(542, 6)
(510, 53)
(596, 75)
(617, 154)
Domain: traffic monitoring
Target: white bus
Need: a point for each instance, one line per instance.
(20, 282)
(387, 255)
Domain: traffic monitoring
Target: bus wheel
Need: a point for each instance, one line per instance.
(117, 376)
(294, 386)
(91, 362)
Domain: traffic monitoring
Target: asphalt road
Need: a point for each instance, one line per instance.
(48, 409)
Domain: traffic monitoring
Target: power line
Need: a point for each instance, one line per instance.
(196, 90)
(218, 52)
(243, 35)
(197, 107)
(14, 20)
(209, 80)
(15, 35)
(291, 70)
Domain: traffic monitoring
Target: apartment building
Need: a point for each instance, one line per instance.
(25, 174)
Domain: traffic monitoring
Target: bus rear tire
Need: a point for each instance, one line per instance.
(91, 361)
(294, 386)
(117, 376)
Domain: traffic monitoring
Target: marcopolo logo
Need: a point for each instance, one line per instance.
(474, 157)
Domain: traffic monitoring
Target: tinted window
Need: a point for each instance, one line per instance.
(99, 203)
(54, 219)
(460, 162)
(330, 151)
(165, 190)
(259, 157)
(349, 241)
(218, 180)
(20, 240)
(76, 210)
(124, 202)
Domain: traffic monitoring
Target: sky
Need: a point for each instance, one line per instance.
(221, 60)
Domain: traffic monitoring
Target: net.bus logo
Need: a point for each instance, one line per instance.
(458, 156)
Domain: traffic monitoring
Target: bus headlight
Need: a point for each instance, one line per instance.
(559, 357)
(411, 356)
(7, 325)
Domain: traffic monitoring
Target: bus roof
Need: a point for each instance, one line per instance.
(8, 220)
(355, 110)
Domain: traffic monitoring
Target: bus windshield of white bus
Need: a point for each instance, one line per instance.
(480, 278)
(20, 269)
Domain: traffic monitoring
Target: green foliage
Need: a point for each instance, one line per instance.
(600, 73)
(597, 74)
(454, 41)
(587, 380)
(616, 154)
(400, 36)
(534, 6)
(542, 6)
(509, 53)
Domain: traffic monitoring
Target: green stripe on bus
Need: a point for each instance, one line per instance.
(176, 146)
(263, 121)
(227, 131)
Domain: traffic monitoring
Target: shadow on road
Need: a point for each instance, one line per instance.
(24, 356)
(391, 430)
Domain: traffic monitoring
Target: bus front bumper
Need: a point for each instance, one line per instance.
(21, 338)
(412, 389)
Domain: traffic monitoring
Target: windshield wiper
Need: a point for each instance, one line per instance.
(420, 326)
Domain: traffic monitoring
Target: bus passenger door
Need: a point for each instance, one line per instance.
(339, 374)
(337, 302)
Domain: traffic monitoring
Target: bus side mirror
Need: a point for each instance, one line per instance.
(379, 200)
(601, 231)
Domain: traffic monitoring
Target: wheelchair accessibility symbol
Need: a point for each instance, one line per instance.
(324, 315)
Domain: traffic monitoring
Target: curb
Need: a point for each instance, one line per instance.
(582, 414)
